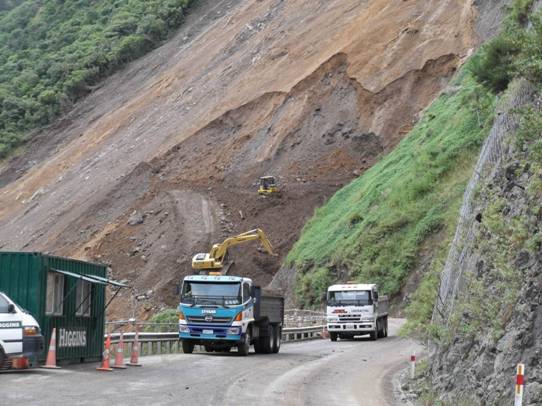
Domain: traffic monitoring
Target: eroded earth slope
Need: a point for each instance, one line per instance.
(162, 159)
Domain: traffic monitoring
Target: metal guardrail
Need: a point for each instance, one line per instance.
(168, 343)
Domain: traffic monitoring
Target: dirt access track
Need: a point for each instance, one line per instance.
(162, 159)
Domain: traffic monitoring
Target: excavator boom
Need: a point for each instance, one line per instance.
(216, 258)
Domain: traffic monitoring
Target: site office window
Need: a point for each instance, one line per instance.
(55, 294)
(83, 298)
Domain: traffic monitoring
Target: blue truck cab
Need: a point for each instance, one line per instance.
(221, 312)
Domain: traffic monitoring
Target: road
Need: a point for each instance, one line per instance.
(315, 372)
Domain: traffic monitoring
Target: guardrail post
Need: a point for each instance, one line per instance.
(413, 365)
(520, 382)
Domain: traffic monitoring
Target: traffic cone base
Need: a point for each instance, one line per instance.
(104, 369)
(50, 363)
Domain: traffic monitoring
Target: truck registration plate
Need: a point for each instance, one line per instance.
(350, 327)
(207, 332)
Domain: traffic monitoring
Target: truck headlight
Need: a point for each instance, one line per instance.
(183, 328)
(31, 331)
(235, 331)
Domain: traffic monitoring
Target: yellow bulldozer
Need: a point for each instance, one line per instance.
(268, 185)
(216, 261)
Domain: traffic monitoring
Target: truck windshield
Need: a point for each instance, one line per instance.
(211, 293)
(349, 297)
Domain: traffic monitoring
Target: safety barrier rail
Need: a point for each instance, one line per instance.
(168, 343)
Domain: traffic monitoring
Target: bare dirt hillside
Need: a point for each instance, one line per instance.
(162, 159)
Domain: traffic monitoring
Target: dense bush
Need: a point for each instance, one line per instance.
(516, 52)
(53, 51)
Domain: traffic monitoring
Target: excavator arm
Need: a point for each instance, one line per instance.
(216, 258)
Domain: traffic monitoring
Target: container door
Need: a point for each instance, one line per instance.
(11, 329)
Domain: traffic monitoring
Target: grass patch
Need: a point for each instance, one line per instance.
(374, 227)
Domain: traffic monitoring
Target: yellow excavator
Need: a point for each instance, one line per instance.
(216, 260)
(268, 185)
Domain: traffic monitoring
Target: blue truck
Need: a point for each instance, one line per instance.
(221, 312)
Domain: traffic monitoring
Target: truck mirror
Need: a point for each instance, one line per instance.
(11, 308)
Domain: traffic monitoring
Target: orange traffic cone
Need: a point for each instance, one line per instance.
(51, 355)
(134, 357)
(105, 361)
(119, 355)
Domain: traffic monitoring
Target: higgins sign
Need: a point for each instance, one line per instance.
(72, 338)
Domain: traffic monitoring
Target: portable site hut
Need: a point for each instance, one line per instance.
(60, 293)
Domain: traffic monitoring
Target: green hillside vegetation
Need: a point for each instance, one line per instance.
(52, 53)
(375, 227)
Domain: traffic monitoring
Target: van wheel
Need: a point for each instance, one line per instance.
(278, 338)
(333, 336)
(3, 360)
(188, 346)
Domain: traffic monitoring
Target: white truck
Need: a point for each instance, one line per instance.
(21, 341)
(356, 309)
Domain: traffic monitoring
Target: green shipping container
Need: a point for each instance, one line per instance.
(60, 293)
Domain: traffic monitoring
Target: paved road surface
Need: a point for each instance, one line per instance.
(307, 373)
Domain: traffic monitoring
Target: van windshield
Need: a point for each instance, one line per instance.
(349, 297)
(4, 304)
(211, 293)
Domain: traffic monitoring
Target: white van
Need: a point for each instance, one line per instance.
(21, 341)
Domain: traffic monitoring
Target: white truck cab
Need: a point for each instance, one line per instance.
(355, 309)
(21, 341)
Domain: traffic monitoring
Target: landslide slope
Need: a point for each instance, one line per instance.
(161, 160)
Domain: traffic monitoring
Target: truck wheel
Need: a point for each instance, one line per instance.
(258, 349)
(278, 338)
(380, 328)
(386, 326)
(374, 335)
(266, 340)
(188, 347)
(208, 348)
(244, 347)
(272, 337)
(333, 336)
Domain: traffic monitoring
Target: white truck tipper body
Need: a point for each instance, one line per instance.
(356, 309)
(21, 341)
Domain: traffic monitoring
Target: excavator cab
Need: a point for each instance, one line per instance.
(268, 185)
